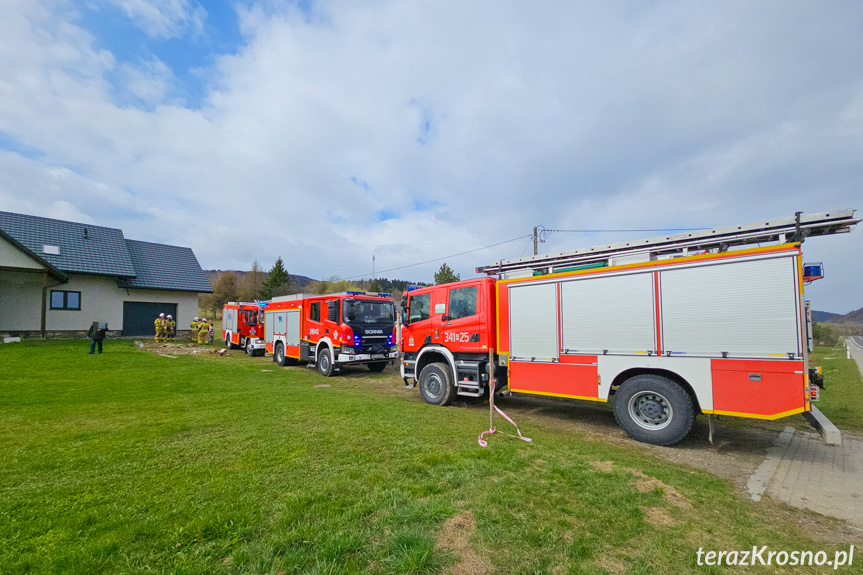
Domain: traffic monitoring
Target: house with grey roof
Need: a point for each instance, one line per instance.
(57, 277)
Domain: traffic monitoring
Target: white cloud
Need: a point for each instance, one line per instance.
(567, 115)
(164, 18)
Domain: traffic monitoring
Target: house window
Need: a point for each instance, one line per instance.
(66, 300)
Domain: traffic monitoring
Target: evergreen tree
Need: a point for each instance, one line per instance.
(278, 282)
(375, 286)
(445, 275)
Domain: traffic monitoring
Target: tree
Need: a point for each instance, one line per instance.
(375, 286)
(251, 283)
(445, 275)
(224, 290)
(278, 281)
(824, 334)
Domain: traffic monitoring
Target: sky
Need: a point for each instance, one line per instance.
(328, 132)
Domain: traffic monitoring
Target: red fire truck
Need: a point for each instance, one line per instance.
(665, 328)
(242, 326)
(329, 331)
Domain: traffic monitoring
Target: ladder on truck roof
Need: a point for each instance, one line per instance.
(793, 229)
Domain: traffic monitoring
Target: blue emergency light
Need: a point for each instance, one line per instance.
(813, 271)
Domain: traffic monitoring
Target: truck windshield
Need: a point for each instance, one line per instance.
(365, 311)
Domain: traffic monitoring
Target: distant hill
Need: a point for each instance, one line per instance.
(297, 282)
(301, 283)
(851, 317)
(851, 320)
(822, 316)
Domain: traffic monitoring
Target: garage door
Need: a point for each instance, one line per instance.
(139, 317)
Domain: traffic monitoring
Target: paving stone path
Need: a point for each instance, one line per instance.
(803, 471)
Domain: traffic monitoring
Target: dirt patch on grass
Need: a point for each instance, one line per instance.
(455, 536)
(175, 349)
(603, 465)
(659, 517)
(610, 564)
(646, 484)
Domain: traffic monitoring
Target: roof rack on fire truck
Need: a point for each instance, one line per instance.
(326, 295)
(793, 229)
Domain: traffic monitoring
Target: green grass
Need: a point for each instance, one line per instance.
(841, 399)
(133, 463)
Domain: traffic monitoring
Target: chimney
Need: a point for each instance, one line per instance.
(86, 233)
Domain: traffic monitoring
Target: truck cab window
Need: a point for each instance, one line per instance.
(462, 302)
(419, 307)
(315, 311)
(333, 310)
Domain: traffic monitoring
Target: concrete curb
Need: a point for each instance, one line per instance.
(829, 432)
(761, 478)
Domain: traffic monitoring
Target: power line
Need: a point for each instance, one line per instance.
(525, 247)
(438, 259)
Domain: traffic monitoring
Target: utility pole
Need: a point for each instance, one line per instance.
(373, 266)
(535, 245)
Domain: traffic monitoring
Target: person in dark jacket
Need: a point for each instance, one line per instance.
(97, 335)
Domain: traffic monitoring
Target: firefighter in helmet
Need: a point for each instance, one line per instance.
(203, 328)
(194, 328)
(160, 327)
(170, 325)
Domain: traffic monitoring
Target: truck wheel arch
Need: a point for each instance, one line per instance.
(431, 354)
(632, 372)
(324, 342)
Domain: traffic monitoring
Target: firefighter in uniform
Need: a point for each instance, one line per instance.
(194, 328)
(160, 327)
(170, 324)
(203, 328)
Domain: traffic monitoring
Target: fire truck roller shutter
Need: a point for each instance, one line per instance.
(293, 328)
(229, 319)
(269, 323)
(745, 308)
(614, 313)
(533, 322)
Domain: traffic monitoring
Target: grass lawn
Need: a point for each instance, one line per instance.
(128, 462)
(841, 399)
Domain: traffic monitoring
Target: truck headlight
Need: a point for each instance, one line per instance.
(348, 350)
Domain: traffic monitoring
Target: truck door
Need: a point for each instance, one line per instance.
(314, 326)
(460, 324)
(418, 328)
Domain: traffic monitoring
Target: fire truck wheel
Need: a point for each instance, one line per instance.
(436, 384)
(249, 349)
(325, 362)
(653, 409)
(377, 366)
(279, 354)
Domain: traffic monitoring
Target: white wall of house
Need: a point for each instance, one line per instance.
(12, 257)
(102, 301)
(21, 300)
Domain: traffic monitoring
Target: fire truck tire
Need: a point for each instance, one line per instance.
(279, 354)
(377, 366)
(436, 385)
(654, 409)
(325, 362)
(249, 349)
